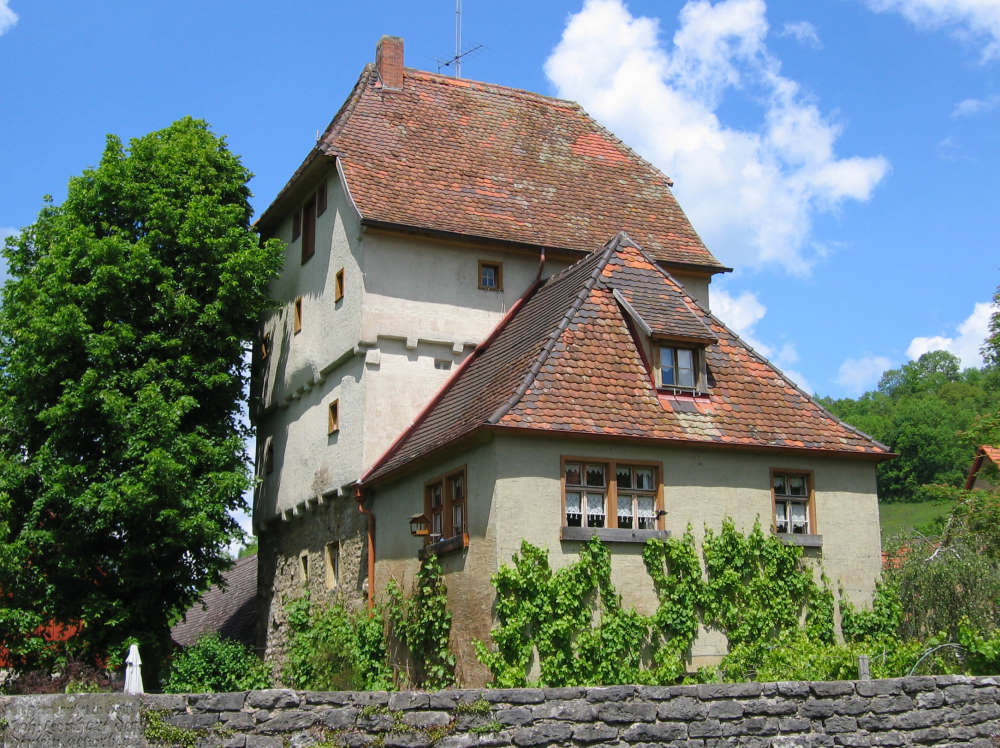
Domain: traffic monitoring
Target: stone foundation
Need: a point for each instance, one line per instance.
(282, 576)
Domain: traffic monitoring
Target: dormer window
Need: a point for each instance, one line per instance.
(680, 367)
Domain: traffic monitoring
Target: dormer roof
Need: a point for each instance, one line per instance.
(462, 158)
(565, 361)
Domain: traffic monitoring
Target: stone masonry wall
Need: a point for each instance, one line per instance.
(943, 710)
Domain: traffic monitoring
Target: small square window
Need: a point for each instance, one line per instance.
(298, 315)
(338, 285)
(333, 421)
(490, 276)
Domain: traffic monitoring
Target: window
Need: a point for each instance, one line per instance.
(677, 367)
(269, 456)
(446, 509)
(309, 228)
(298, 315)
(321, 199)
(338, 286)
(490, 276)
(331, 557)
(265, 346)
(296, 225)
(793, 503)
(333, 418)
(304, 569)
(611, 494)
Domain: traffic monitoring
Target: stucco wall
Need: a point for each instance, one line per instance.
(701, 487)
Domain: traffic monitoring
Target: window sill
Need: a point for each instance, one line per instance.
(445, 545)
(806, 541)
(611, 534)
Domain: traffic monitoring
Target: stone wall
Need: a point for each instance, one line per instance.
(944, 710)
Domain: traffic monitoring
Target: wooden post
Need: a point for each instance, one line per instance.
(864, 668)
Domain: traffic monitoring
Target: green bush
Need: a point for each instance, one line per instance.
(334, 649)
(214, 664)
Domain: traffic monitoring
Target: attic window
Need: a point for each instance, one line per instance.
(680, 367)
(338, 286)
(298, 315)
(321, 199)
(491, 276)
(296, 225)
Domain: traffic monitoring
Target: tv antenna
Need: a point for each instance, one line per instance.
(459, 54)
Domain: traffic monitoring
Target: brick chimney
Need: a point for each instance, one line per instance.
(389, 61)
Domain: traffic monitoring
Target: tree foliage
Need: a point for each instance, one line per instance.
(214, 664)
(927, 411)
(122, 335)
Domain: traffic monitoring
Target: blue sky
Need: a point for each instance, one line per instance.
(840, 154)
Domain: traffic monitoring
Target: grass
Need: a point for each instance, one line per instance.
(904, 517)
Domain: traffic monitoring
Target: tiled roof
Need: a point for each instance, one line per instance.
(231, 611)
(567, 362)
(985, 452)
(461, 157)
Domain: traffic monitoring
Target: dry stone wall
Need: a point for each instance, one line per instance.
(944, 710)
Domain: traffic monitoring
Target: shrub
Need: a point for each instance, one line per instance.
(216, 664)
(333, 649)
(72, 677)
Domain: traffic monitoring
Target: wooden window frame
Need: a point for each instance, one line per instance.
(297, 328)
(308, 229)
(449, 539)
(333, 417)
(809, 501)
(698, 356)
(338, 286)
(611, 490)
(498, 266)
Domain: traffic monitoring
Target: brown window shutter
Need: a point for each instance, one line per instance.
(321, 199)
(309, 228)
(296, 225)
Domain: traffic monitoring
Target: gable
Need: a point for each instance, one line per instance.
(567, 362)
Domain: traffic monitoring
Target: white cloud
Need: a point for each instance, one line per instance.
(857, 375)
(741, 314)
(7, 17)
(968, 338)
(972, 107)
(751, 193)
(970, 20)
(803, 32)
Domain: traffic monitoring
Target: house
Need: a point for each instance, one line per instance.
(982, 474)
(497, 324)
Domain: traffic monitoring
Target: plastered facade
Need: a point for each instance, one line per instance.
(515, 495)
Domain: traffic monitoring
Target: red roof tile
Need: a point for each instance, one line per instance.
(567, 362)
(481, 160)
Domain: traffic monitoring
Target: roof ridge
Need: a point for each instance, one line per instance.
(498, 88)
(346, 109)
(546, 351)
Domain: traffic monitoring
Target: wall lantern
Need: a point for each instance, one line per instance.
(419, 526)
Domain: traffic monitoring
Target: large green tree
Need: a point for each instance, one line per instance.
(123, 330)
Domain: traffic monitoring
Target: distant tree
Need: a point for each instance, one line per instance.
(123, 329)
(925, 411)
(991, 347)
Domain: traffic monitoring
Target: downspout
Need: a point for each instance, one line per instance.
(359, 497)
